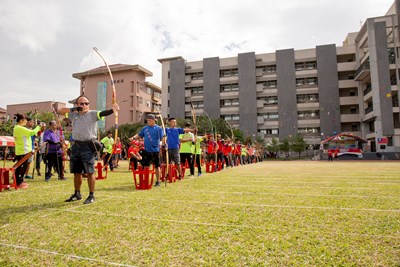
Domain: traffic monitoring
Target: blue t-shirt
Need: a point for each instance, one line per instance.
(152, 136)
(173, 137)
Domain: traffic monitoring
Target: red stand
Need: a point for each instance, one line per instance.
(183, 169)
(142, 178)
(171, 173)
(5, 179)
(219, 166)
(210, 166)
(99, 168)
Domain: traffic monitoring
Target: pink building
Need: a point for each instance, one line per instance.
(30, 108)
(136, 97)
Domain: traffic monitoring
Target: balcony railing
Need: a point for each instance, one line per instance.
(362, 71)
(369, 109)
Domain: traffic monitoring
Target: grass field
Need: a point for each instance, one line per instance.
(276, 213)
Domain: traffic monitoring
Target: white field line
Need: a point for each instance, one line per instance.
(294, 195)
(258, 180)
(287, 186)
(55, 210)
(44, 251)
(278, 206)
(217, 224)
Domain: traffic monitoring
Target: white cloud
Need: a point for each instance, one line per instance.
(45, 41)
(35, 27)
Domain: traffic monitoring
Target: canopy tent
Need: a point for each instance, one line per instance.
(7, 141)
(344, 144)
(343, 137)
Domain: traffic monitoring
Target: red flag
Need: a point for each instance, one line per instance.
(382, 140)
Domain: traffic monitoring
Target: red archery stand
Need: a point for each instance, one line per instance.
(183, 170)
(99, 167)
(210, 166)
(172, 175)
(219, 165)
(5, 179)
(142, 178)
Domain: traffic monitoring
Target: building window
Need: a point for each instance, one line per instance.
(139, 100)
(270, 84)
(196, 90)
(272, 131)
(229, 87)
(307, 65)
(270, 116)
(307, 98)
(229, 73)
(308, 130)
(157, 94)
(196, 75)
(198, 104)
(149, 91)
(306, 82)
(308, 114)
(270, 100)
(230, 102)
(148, 104)
(231, 117)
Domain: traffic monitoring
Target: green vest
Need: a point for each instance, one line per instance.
(186, 147)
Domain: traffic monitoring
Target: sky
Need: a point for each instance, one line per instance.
(43, 42)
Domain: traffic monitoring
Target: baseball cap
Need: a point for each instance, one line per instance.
(150, 117)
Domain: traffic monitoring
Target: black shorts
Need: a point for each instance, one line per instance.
(151, 157)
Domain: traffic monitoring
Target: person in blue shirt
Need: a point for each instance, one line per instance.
(152, 135)
(173, 143)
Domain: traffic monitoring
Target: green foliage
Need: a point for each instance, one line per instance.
(273, 145)
(285, 145)
(6, 128)
(298, 144)
(126, 131)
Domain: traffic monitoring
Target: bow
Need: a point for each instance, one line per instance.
(166, 147)
(195, 136)
(230, 127)
(114, 95)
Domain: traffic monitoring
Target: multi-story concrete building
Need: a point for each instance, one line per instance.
(315, 92)
(135, 96)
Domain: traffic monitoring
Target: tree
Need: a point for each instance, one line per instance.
(273, 146)
(285, 145)
(6, 128)
(298, 144)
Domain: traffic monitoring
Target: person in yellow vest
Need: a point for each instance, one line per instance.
(108, 143)
(244, 152)
(185, 151)
(197, 153)
(23, 146)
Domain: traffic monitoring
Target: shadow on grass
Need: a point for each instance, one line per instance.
(123, 188)
(8, 213)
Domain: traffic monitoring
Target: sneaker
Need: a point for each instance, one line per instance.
(62, 178)
(199, 174)
(38, 172)
(23, 185)
(191, 176)
(157, 183)
(74, 197)
(28, 177)
(89, 200)
(47, 179)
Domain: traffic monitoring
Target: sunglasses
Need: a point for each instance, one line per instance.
(84, 104)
